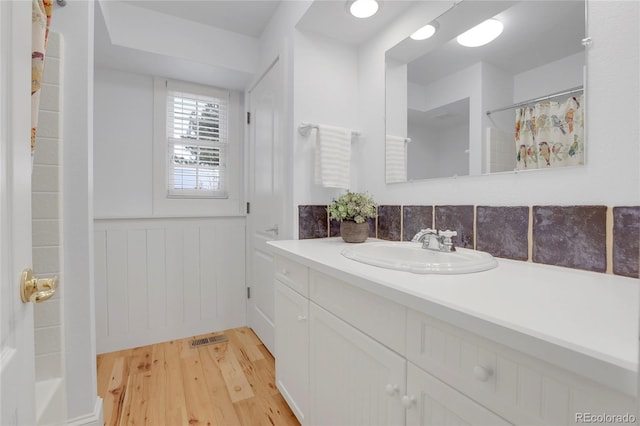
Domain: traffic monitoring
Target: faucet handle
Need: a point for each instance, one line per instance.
(419, 237)
(447, 244)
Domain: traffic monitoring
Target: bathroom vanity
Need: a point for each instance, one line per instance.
(522, 344)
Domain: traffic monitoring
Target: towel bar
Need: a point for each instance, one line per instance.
(305, 129)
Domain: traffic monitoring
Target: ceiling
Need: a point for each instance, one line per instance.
(248, 17)
(330, 18)
(535, 33)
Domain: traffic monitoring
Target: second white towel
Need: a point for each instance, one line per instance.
(333, 157)
(396, 159)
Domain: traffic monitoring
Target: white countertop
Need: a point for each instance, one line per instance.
(585, 322)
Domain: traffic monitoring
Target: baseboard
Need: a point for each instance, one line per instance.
(95, 418)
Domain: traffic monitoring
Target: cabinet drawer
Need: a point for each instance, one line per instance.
(376, 316)
(522, 389)
(433, 403)
(292, 274)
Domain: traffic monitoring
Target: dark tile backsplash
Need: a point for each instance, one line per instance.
(415, 218)
(312, 222)
(503, 231)
(569, 236)
(334, 228)
(626, 241)
(459, 219)
(573, 236)
(389, 222)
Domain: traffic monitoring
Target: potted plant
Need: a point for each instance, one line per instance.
(352, 211)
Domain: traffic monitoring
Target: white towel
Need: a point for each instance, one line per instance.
(396, 159)
(333, 157)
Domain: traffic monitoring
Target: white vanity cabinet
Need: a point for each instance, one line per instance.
(292, 335)
(520, 388)
(354, 380)
(347, 353)
(430, 402)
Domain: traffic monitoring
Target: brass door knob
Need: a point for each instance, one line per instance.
(36, 290)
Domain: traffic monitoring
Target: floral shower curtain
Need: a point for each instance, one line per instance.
(550, 134)
(41, 19)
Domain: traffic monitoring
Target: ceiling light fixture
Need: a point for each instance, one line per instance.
(425, 32)
(481, 34)
(363, 8)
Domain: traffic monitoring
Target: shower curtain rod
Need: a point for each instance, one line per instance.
(543, 98)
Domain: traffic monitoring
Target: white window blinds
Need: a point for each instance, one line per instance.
(197, 135)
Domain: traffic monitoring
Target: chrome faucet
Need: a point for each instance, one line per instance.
(433, 239)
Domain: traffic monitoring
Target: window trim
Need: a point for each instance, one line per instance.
(165, 205)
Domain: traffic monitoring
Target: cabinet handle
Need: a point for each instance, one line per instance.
(391, 389)
(302, 318)
(408, 401)
(481, 373)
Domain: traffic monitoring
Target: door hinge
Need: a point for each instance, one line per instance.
(248, 117)
(248, 207)
(248, 292)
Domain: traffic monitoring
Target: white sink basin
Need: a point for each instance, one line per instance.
(411, 257)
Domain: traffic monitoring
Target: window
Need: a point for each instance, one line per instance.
(197, 139)
(197, 150)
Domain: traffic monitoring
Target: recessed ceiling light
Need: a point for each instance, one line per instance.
(481, 34)
(425, 32)
(363, 8)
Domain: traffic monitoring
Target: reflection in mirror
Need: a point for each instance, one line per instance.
(515, 103)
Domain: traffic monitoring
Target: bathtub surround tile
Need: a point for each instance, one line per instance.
(45, 178)
(389, 222)
(312, 222)
(49, 366)
(45, 233)
(626, 241)
(459, 219)
(47, 314)
(415, 218)
(48, 340)
(571, 236)
(503, 231)
(46, 260)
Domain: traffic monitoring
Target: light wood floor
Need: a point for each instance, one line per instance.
(172, 384)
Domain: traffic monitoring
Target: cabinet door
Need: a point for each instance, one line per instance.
(354, 380)
(431, 402)
(292, 348)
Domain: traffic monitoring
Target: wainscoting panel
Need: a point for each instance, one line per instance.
(164, 279)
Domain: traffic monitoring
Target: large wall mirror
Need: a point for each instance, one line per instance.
(516, 103)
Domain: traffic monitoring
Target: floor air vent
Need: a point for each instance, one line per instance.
(209, 340)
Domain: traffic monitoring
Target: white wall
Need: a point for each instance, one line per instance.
(325, 92)
(163, 279)
(396, 98)
(75, 24)
(155, 269)
(466, 83)
(609, 177)
(549, 78)
(123, 144)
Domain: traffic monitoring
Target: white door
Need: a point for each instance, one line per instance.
(17, 371)
(266, 171)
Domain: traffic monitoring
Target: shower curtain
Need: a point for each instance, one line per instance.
(550, 134)
(41, 19)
